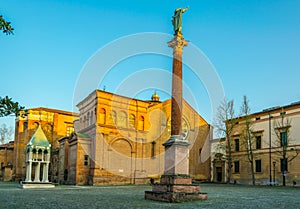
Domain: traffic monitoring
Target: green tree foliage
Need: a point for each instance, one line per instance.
(9, 107)
(5, 26)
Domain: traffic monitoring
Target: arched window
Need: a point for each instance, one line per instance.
(45, 155)
(40, 155)
(34, 154)
(84, 121)
(35, 125)
(122, 119)
(153, 148)
(141, 123)
(88, 119)
(132, 121)
(113, 117)
(102, 116)
(92, 117)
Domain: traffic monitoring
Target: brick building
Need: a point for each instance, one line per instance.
(55, 124)
(6, 161)
(275, 142)
(120, 140)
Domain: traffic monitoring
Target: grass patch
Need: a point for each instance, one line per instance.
(132, 196)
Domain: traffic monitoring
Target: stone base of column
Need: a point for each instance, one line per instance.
(36, 185)
(176, 184)
(175, 188)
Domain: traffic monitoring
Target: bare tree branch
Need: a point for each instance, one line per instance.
(224, 124)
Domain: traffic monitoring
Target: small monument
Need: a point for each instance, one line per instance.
(37, 159)
(176, 184)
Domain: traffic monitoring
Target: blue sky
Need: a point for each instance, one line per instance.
(253, 46)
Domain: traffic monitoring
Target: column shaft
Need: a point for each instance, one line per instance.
(177, 43)
(29, 169)
(37, 173)
(176, 111)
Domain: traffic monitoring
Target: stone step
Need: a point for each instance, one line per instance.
(175, 180)
(175, 188)
(174, 196)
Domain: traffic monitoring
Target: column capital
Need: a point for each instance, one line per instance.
(178, 42)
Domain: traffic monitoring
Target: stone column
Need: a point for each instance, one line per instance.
(176, 155)
(43, 167)
(28, 172)
(45, 172)
(176, 184)
(37, 173)
(177, 43)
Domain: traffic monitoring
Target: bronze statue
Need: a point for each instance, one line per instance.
(177, 19)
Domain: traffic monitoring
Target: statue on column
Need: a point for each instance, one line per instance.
(177, 19)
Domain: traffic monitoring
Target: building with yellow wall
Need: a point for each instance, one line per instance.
(275, 145)
(55, 124)
(6, 161)
(120, 140)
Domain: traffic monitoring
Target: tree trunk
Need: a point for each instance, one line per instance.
(229, 161)
(251, 159)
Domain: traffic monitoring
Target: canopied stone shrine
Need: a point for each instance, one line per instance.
(37, 161)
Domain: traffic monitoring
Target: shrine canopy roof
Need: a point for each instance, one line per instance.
(39, 138)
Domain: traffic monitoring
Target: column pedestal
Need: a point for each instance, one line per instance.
(176, 184)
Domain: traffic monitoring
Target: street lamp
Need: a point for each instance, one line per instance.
(270, 157)
(274, 166)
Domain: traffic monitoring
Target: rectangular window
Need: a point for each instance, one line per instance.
(257, 165)
(86, 160)
(283, 139)
(236, 166)
(283, 165)
(153, 149)
(237, 145)
(25, 126)
(70, 130)
(258, 142)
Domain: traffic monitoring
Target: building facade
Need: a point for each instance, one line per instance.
(218, 160)
(6, 161)
(55, 124)
(274, 139)
(120, 140)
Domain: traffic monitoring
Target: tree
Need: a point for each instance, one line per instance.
(282, 129)
(9, 107)
(224, 123)
(5, 26)
(5, 134)
(247, 135)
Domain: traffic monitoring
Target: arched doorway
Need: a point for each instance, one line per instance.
(120, 157)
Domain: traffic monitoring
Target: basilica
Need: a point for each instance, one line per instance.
(112, 140)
